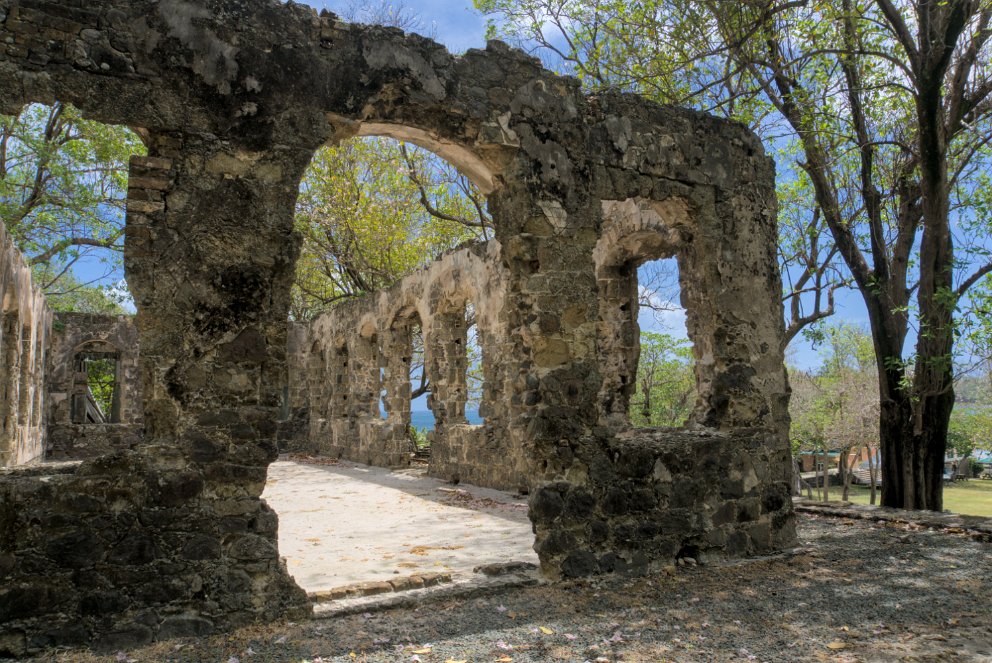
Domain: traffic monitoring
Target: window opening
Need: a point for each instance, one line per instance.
(665, 385)
(96, 394)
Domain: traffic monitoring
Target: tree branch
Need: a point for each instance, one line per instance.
(62, 245)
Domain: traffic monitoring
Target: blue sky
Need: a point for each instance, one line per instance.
(456, 24)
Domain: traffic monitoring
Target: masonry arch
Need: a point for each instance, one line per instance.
(484, 174)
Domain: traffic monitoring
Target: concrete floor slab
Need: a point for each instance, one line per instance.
(344, 523)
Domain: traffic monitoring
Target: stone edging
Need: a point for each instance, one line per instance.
(403, 584)
(462, 589)
(976, 527)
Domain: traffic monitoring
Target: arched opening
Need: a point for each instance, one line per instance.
(477, 362)
(398, 361)
(96, 395)
(646, 352)
(664, 384)
(67, 184)
(372, 210)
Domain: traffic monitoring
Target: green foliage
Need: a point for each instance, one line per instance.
(101, 378)
(373, 210)
(836, 407)
(66, 293)
(419, 437)
(970, 429)
(666, 384)
(63, 183)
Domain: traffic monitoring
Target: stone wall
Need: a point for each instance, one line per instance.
(655, 496)
(24, 332)
(294, 419)
(362, 350)
(112, 548)
(233, 98)
(75, 335)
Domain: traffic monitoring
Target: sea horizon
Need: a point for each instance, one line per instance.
(424, 419)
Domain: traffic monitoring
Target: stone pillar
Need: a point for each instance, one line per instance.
(731, 290)
(363, 376)
(552, 378)
(316, 381)
(447, 364)
(397, 354)
(619, 340)
(209, 257)
(9, 396)
(339, 394)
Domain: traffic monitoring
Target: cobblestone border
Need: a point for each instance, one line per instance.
(976, 527)
(371, 588)
(459, 589)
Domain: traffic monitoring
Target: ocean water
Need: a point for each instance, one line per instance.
(424, 419)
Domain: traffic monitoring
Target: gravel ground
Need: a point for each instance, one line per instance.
(857, 592)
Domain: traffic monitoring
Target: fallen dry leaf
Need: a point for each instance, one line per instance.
(545, 630)
(836, 644)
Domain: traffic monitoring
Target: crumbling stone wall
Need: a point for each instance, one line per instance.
(24, 332)
(294, 419)
(233, 99)
(115, 337)
(364, 348)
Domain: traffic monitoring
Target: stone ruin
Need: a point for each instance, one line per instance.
(159, 530)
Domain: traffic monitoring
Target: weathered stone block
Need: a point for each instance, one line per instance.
(185, 626)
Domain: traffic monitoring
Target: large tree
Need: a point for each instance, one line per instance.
(885, 109)
(665, 383)
(834, 408)
(371, 211)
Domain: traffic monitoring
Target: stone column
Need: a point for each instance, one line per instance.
(447, 364)
(397, 354)
(209, 258)
(12, 358)
(339, 390)
(552, 378)
(364, 382)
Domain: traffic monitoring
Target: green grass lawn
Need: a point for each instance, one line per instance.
(972, 497)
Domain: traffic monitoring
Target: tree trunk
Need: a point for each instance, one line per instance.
(872, 473)
(646, 408)
(914, 435)
(912, 456)
(845, 473)
(826, 475)
(797, 480)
